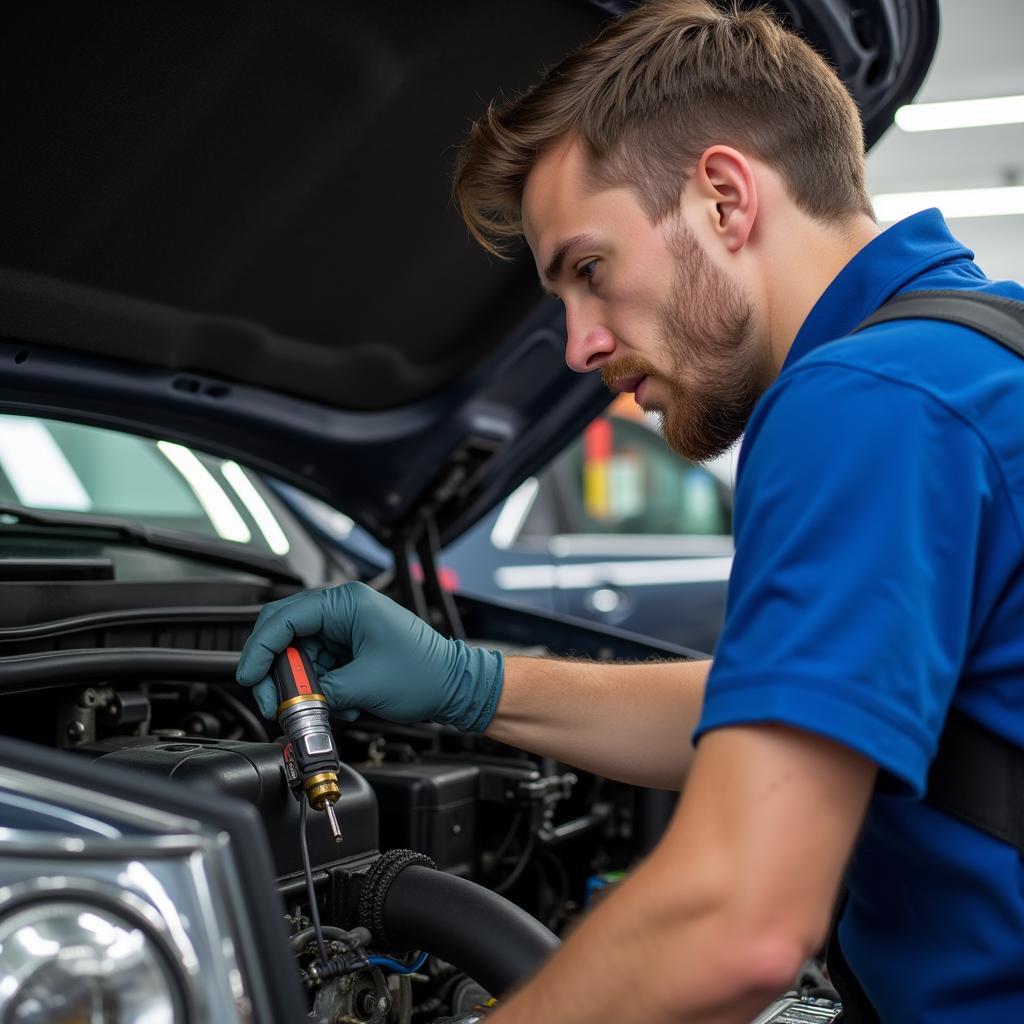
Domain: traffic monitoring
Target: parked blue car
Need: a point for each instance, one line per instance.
(618, 529)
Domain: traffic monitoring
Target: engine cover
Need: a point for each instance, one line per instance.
(254, 772)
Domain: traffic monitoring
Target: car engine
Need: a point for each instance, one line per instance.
(434, 812)
(453, 844)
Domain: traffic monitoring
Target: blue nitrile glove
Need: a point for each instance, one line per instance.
(372, 654)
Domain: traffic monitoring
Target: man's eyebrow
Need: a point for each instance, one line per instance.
(554, 268)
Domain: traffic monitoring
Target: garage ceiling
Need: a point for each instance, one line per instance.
(979, 55)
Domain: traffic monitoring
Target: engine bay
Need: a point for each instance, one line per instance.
(453, 844)
(525, 842)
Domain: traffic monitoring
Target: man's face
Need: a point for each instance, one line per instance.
(646, 305)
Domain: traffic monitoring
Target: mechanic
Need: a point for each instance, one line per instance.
(691, 186)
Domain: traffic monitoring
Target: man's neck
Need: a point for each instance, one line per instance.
(802, 264)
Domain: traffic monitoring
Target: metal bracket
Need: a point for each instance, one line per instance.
(78, 720)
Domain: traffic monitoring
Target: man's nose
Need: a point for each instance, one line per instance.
(589, 345)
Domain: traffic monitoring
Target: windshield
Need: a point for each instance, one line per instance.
(69, 467)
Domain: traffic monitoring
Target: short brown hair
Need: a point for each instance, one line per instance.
(650, 94)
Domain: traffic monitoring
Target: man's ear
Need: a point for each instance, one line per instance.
(724, 181)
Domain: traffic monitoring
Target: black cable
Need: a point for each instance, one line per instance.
(314, 910)
(520, 867)
(503, 846)
(563, 875)
(555, 918)
(250, 726)
(427, 548)
(250, 723)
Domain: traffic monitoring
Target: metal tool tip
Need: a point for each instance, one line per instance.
(332, 820)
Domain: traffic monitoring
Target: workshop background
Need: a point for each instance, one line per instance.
(980, 169)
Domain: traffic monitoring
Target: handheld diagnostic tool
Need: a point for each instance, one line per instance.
(311, 758)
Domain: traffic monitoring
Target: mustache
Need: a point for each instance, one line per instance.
(627, 366)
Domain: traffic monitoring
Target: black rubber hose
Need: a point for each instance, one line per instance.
(107, 664)
(356, 937)
(495, 942)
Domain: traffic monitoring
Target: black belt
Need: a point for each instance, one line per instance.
(977, 777)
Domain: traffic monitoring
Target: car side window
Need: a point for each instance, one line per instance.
(620, 477)
(544, 516)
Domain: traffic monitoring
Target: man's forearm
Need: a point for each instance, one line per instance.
(643, 955)
(627, 722)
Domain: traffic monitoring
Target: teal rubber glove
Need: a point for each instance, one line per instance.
(372, 654)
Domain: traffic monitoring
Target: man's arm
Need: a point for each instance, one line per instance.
(626, 722)
(630, 722)
(718, 919)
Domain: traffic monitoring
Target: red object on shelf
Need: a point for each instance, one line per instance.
(597, 441)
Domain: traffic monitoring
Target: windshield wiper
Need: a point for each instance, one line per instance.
(156, 538)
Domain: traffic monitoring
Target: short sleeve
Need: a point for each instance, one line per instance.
(858, 515)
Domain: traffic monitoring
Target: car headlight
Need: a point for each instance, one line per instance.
(73, 959)
(134, 900)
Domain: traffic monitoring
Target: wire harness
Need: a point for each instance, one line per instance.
(327, 968)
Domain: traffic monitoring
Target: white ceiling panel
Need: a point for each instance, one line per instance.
(980, 54)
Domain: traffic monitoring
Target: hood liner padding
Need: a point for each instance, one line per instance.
(260, 191)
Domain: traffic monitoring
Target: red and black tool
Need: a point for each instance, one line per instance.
(311, 758)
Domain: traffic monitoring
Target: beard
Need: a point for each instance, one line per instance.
(713, 368)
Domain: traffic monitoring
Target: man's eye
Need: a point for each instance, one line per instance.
(587, 269)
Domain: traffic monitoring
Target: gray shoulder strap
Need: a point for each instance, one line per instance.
(976, 776)
(999, 318)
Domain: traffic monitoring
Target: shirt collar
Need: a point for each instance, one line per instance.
(887, 263)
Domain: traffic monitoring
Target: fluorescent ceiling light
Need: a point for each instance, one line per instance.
(932, 117)
(961, 202)
(36, 467)
(258, 508)
(217, 505)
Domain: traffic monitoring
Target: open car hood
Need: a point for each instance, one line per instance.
(229, 225)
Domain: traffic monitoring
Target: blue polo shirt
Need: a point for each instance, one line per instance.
(878, 579)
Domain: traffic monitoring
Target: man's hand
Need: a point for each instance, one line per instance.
(372, 654)
(739, 892)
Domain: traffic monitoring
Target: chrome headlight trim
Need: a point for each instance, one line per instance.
(25, 842)
(125, 904)
(89, 813)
